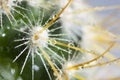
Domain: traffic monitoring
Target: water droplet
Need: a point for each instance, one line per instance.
(70, 51)
(13, 71)
(36, 68)
(19, 78)
(3, 35)
(53, 41)
(8, 27)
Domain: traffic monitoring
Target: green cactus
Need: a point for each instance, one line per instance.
(56, 40)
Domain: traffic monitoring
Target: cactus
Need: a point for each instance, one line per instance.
(59, 40)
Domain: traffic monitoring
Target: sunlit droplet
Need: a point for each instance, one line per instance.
(3, 35)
